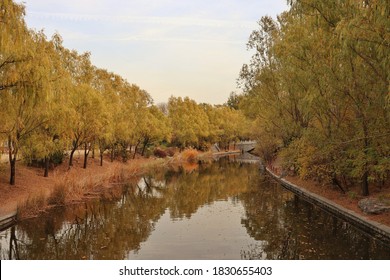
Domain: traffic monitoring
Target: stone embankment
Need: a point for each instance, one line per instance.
(373, 228)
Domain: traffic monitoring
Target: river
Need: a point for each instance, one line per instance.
(224, 210)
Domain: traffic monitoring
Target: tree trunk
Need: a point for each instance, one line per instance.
(46, 167)
(336, 182)
(93, 152)
(365, 191)
(101, 157)
(124, 153)
(144, 147)
(365, 184)
(112, 153)
(13, 171)
(71, 157)
(86, 153)
(135, 150)
(12, 161)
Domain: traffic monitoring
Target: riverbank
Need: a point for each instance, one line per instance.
(378, 230)
(33, 193)
(348, 200)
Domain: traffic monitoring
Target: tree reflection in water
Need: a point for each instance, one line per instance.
(295, 229)
(277, 224)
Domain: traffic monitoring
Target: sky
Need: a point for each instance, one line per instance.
(192, 48)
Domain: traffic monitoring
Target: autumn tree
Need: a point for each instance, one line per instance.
(26, 102)
(155, 127)
(190, 124)
(317, 87)
(13, 44)
(104, 84)
(227, 125)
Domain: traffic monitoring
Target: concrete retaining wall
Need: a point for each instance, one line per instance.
(375, 229)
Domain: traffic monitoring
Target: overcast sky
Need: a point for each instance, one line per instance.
(183, 48)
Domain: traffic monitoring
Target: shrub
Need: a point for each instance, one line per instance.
(170, 151)
(160, 153)
(57, 157)
(190, 155)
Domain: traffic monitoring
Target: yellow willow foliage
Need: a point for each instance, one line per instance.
(54, 101)
(319, 85)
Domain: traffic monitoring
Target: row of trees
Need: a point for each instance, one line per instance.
(318, 88)
(54, 101)
(198, 125)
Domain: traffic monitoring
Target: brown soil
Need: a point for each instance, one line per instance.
(30, 181)
(348, 200)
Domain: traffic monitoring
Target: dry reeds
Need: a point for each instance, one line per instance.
(76, 186)
(191, 156)
(58, 195)
(32, 206)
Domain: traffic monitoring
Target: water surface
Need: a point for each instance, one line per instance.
(226, 210)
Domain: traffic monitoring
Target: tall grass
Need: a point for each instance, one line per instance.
(191, 156)
(31, 207)
(73, 187)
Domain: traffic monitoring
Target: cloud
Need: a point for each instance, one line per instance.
(176, 40)
(175, 21)
(148, 28)
(186, 47)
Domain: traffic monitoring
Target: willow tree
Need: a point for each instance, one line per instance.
(226, 125)
(14, 43)
(26, 102)
(133, 103)
(155, 127)
(350, 59)
(46, 143)
(318, 87)
(86, 119)
(141, 100)
(104, 84)
(364, 35)
(190, 124)
(82, 97)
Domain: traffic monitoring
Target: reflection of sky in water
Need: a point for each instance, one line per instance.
(221, 211)
(184, 238)
(4, 243)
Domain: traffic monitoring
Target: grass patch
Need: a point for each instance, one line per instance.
(352, 195)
